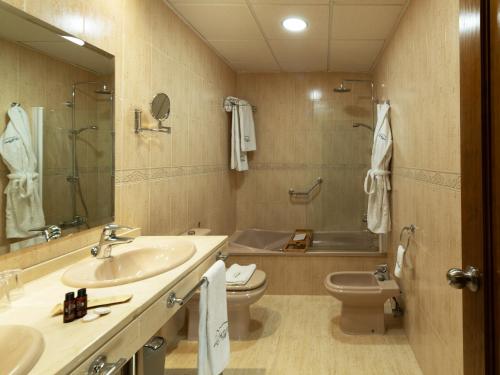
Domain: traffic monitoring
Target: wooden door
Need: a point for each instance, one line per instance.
(480, 164)
(492, 309)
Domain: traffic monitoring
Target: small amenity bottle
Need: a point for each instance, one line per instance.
(69, 307)
(81, 303)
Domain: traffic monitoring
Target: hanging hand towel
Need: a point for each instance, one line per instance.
(247, 127)
(398, 269)
(239, 160)
(377, 181)
(239, 275)
(213, 345)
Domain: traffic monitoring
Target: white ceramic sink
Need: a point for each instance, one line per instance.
(21, 347)
(143, 258)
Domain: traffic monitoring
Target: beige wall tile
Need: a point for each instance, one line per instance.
(420, 69)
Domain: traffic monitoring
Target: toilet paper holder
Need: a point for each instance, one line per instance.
(409, 231)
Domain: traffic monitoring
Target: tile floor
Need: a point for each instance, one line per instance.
(300, 335)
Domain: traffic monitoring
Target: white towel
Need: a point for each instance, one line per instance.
(239, 159)
(213, 345)
(239, 275)
(398, 269)
(247, 127)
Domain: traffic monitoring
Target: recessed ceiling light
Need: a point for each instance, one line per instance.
(294, 24)
(73, 39)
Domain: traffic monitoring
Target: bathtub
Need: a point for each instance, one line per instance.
(260, 241)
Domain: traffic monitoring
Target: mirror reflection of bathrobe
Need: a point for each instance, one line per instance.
(24, 209)
(377, 181)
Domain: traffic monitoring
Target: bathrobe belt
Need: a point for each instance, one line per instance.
(23, 182)
(371, 177)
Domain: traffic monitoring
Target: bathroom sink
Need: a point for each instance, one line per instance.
(21, 347)
(143, 258)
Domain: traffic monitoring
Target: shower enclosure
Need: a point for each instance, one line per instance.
(323, 129)
(78, 191)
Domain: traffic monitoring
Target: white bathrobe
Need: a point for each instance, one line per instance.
(23, 207)
(377, 181)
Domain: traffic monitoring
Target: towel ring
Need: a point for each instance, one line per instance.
(410, 231)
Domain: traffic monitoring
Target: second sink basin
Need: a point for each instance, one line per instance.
(143, 258)
(21, 347)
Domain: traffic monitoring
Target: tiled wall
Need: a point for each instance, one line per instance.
(304, 131)
(419, 73)
(165, 183)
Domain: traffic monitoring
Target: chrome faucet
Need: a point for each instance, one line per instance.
(108, 240)
(382, 272)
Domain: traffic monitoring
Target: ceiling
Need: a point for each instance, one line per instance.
(342, 35)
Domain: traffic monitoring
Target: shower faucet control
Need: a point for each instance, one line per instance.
(382, 272)
(108, 240)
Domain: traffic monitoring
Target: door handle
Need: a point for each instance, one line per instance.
(459, 279)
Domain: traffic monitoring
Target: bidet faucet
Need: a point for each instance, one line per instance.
(382, 272)
(108, 240)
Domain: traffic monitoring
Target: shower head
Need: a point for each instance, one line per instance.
(342, 89)
(103, 90)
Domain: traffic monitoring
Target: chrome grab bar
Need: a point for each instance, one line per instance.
(294, 193)
(172, 298)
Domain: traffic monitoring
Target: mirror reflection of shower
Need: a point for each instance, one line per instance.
(98, 89)
(343, 89)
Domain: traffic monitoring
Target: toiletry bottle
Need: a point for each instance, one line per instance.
(69, 307)
(81, 303)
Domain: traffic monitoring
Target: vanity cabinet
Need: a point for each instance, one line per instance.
(130, 339)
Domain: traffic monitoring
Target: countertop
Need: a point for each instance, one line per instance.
(67, 345)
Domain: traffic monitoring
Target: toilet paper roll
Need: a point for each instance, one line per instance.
(398, 269)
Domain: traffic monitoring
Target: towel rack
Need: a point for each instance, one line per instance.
(172, 298)
(294, 193)
(230, 101)
(410, 231)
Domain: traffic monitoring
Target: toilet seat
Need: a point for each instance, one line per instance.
(256, 281)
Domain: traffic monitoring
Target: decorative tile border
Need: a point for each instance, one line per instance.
(81, 170)
(137, 175)
(304, 166)
(445, 179)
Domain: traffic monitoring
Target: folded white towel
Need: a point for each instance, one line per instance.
(213, 335)
(398, 269)
(239, 275)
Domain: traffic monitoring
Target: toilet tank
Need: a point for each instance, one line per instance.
(197, 232)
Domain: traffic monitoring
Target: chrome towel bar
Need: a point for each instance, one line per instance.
(294, 193)
(172, 298)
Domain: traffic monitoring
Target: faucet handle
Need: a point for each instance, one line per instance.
(111, 227)
(382, 267)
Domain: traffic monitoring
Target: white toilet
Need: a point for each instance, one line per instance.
(239, 299)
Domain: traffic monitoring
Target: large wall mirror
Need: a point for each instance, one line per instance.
(57, 132)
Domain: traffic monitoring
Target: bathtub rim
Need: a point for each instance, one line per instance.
(235, 249)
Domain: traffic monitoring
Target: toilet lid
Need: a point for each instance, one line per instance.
(257, 280)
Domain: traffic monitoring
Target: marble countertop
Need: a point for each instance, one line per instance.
(67, 345)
